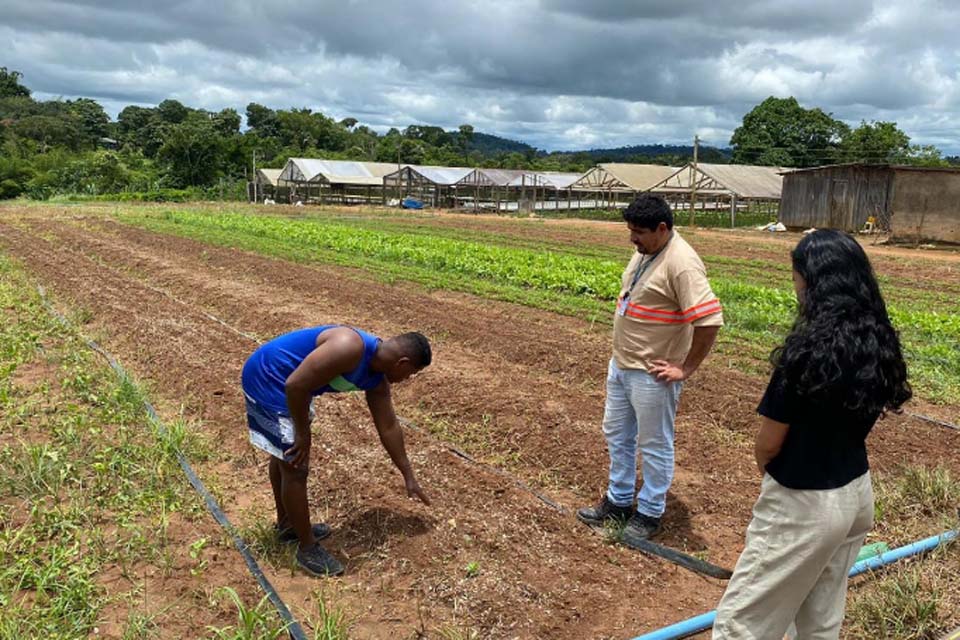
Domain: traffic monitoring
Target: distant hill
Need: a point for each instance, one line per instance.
(628, 154)
(490, 145)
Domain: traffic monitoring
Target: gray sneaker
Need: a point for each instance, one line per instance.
(287, 534)
(603, 512)
(641, 526)
(317, 561)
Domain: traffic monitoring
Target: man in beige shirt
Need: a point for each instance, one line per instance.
(666, 322)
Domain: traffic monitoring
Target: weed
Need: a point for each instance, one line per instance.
(331, 622)
(897, 606)
(472, 569)
(915, 491)
(253, 623)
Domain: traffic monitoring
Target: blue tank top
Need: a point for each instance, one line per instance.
(265, 373)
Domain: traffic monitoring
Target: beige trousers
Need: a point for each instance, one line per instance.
(800, 546)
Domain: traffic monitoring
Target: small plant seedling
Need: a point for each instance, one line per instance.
(473, 569)
(196, 553)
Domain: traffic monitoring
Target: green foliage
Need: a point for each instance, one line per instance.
(197, 148)
(253, 623)
(780, 132)
(875, 142)
(10, 84)
(192, 154)
(520, 267)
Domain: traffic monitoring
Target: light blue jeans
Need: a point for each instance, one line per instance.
(639, 413)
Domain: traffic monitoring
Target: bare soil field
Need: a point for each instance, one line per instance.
(518, 389)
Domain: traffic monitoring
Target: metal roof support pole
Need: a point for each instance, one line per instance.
(693, 181)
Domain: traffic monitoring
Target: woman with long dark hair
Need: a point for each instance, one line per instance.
(838, 370)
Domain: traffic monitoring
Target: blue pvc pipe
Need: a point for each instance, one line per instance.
(902, 552)
(705, 620)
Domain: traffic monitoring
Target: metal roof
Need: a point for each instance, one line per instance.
(746, 181)
(873, 165)
(336, 171)
(548, 179)
(440, 176)
(621, 176)
(491, 177)
(269, 176)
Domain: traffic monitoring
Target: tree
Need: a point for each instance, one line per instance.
(142, 128)
(875, 142)
(780, 132)
(465, 138)
(226, 122)
(263, 120)
(923, 156)
(10, 86)
(92, 119)
(48, 132)
(172, 111)
(192, 154)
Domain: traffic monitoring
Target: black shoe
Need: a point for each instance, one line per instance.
(288, 535)
(603, 512)
(641, 526)
(318, 562)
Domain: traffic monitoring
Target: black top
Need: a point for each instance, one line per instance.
(824, 447)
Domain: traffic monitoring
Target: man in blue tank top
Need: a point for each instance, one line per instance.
(281, 379)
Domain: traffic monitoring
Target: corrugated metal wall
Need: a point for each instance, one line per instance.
(836, 197)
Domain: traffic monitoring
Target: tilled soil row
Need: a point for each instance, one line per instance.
(541, 574)
(530, 382)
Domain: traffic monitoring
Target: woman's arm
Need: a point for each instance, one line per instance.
(769, 441)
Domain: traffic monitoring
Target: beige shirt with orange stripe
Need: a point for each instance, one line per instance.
(655, 320)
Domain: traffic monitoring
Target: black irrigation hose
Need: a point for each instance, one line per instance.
(919, 416)
(290, 624)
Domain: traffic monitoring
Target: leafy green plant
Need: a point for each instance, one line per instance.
(472, 569)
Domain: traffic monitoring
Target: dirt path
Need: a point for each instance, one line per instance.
(517, 387)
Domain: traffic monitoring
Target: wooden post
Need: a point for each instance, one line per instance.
(733, 210)
(693, 181)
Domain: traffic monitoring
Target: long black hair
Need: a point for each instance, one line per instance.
(842, 351)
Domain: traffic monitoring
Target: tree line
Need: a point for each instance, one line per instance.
(73, 147)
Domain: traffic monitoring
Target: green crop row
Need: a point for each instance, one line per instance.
(523, 267)
(580, 285)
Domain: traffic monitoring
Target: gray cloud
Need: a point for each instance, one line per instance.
(555, 73)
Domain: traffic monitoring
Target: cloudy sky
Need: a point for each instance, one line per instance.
(558, 74)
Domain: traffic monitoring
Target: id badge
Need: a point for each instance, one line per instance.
(622, 306)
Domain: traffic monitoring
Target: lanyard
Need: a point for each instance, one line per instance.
(644, 265)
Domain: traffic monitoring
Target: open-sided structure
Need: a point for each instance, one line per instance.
(716, 186)
(548, 190)
(267, 184)
(607, 181)
(434, 186)
(338, 180)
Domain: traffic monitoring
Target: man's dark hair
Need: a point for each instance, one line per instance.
(416, 347)
(648, 211)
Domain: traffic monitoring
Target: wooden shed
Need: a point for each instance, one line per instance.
(912, 203)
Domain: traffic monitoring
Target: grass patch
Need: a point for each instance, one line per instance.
(916, 494)
(90, 484)
(911, 602)
(915, 599)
